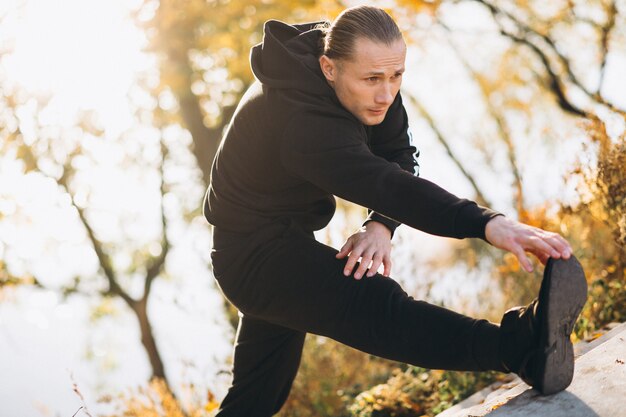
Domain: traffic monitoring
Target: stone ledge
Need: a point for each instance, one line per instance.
(598, 388)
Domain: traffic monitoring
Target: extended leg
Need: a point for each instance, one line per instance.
(296, 282)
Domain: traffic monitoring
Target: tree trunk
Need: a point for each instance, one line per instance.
(205, 140)
(148, 341)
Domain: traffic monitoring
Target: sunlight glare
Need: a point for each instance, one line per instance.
(84, 54)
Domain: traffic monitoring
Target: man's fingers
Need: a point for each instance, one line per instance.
(345, 249)
(369, 250)
(548, 245)
(354, 256)
(543, 259)
(523, 259)
(378, 259)
(387, 265)
(561, 245)
(542, 256)
(541, 248)
(366, 259)
(519, 238)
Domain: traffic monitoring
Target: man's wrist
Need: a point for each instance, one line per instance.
(491, 223)
(391, 224)
(376, 225)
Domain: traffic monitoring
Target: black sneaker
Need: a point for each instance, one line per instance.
(535, 339)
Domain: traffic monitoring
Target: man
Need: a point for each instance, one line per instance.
(326, 119)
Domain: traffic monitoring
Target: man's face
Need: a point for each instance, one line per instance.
(367, 83)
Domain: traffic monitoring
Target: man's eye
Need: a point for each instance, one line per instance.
(372, 79)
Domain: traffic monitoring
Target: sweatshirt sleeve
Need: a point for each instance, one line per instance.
(331, 153)
(392, 140)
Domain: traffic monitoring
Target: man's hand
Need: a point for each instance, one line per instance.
(519, 238)
(372, 243)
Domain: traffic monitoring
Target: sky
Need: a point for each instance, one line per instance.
(85, 55)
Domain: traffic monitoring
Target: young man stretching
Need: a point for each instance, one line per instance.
(326, 119)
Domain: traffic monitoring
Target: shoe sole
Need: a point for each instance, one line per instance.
(564, 292)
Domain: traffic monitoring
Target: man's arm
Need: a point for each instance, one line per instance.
(331, 153)
(392, 140)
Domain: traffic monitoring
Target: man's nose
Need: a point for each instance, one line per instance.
(384, 95)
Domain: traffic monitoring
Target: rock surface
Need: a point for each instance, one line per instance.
(598, 388)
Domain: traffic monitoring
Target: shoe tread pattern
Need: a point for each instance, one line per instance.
(564, 299)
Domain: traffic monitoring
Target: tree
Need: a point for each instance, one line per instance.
(50, 154)
(535, 48)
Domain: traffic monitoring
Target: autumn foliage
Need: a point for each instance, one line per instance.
(538, 75)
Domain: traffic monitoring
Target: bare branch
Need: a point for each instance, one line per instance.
(604, 43)
(555, 84)
(156, 263)
(74, 289)
(480, 198)
(65, 291)
(527, 30)
(103, 258)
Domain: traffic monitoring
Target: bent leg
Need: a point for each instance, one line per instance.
(266, 361)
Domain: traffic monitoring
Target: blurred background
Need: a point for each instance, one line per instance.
(111, 113)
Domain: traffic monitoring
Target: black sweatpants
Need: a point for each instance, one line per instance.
(285, 284)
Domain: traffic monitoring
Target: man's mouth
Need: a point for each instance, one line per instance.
(377, 111)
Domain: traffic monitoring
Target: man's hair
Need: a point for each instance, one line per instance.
(355, 22)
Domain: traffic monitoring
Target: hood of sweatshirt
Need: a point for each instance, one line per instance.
(288, 58)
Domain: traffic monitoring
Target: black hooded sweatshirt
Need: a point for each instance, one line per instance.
(291, 147)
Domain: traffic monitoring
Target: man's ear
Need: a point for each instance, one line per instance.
(329, 68)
